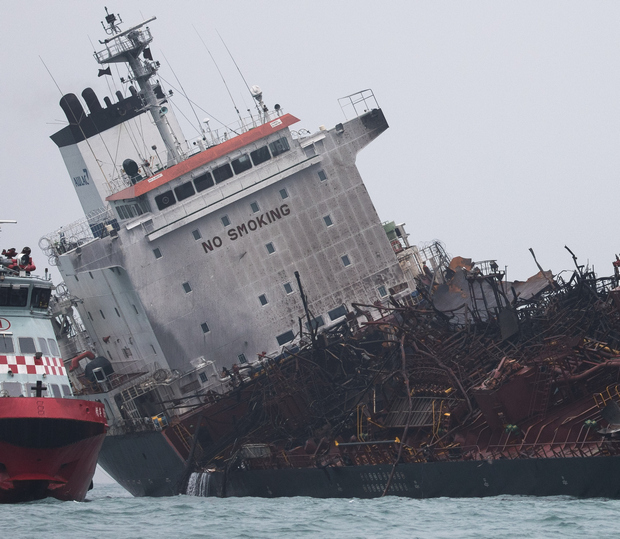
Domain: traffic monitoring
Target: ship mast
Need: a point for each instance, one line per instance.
(127, 46)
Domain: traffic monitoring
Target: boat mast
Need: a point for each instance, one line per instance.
(126, 47)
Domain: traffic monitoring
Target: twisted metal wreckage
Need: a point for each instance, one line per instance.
(477, 369)
(472, 369)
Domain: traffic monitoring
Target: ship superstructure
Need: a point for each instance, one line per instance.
(200, 259)
(49, 440)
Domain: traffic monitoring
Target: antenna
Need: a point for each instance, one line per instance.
(112, 27)
(246, 83)
(183, 89)
(6, 222)
(218, 70)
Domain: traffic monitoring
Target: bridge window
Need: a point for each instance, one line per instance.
(222, 173)
(13, 297)
(260, 155)
(40, 298)
(184, 191)
(241, 164)
(165, 200)
(279, 146)
(204, 181)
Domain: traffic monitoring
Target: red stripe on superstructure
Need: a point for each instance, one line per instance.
(4, 360)
(204, 157)
(31, 369)
(20, 360)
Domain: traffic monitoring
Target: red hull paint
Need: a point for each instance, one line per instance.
(48, 447)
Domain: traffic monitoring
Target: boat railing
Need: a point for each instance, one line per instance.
(124, 43)
(97, 223)
(213, 137)
(359, 103)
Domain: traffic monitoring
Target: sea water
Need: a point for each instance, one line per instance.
(110, 512)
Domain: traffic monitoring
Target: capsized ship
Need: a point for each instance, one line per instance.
(49, 440)
(184, 267)
(257, 330)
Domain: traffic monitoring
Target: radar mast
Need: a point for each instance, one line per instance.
(126, 47)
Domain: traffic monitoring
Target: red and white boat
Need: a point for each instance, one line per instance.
(49, 440)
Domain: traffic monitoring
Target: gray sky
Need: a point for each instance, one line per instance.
(504, 116)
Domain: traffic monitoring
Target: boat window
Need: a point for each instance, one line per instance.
(315, 323)
(41, 298)
(66, 390)
(222, 173)
(53, 347)
(55, 390)
(322, 175)
(242, 164)
(14, 389)
(279, 146)
(203, 182)
(283, 193)
(144, 206)
(129, 211)
(184, 191)
(260, 155)
(288, 288)
(6, 344)
(13, 297)
(337, 312)
(26, 345)
(285, 337)
(165, 200)
(43, 346)
(225, 220)
(121, 212)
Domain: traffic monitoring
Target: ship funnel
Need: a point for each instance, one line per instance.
(91, 99)
(73, 108)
